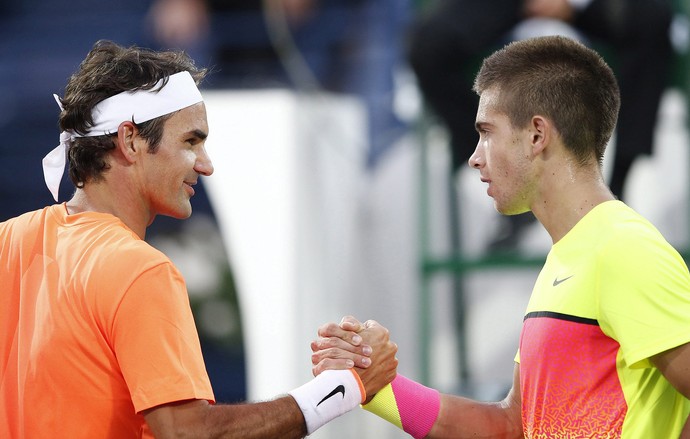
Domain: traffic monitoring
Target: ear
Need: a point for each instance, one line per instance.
(541, 134)
(128, 141)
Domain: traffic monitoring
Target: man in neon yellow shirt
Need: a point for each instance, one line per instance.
(604, 350)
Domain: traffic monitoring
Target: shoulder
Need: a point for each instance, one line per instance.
(22, 234)
(625, 247)
(124, 255)
(115, 256)
(24, 222)
(623, 230)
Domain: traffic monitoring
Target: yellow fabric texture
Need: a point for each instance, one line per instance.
(615, 280)
(383, 404)
(95, 326)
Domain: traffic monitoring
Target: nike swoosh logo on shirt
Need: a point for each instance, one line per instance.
(339, 389)
(558, 281)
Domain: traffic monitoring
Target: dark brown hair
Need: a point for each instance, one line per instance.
(561, 79)
(107, 70)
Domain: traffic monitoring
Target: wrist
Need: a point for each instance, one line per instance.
(329, 395)
(408, 405)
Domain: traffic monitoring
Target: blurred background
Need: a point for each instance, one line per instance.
(337, 190)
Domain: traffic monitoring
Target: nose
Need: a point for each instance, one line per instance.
(203, 164)
(475, 160)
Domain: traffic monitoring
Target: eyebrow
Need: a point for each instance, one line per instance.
(199, 134)
(479, 124)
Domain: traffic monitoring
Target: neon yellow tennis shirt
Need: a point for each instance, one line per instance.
(612, 294)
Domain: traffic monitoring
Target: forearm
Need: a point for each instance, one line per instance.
(308, 407)
(424, 413)
(305, 410)
(464, 418)
(281, 417)
(278, 418)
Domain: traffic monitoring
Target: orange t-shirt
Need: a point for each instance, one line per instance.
(95, 326)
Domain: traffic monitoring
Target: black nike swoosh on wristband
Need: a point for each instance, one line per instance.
(339, 389)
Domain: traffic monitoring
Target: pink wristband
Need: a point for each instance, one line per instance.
(408, 405)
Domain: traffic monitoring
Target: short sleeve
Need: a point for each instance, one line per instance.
(644, 300)
(156, 342)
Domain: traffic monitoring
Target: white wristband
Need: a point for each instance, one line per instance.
(329, 395)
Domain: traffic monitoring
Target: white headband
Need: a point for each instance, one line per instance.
(138, 106)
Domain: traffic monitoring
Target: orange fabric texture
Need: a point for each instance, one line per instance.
(95, 326)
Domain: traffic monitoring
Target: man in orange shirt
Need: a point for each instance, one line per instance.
(97, 339)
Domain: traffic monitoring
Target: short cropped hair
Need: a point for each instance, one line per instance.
(107, 70)
(561, 79)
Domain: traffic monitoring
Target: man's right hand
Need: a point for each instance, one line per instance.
(366, 346)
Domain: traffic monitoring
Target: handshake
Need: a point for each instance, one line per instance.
(366, 347)
(366, 351)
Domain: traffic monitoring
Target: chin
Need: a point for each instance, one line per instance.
(501, 209)
(185, 208)
(184, 214)
(509, 210)
(179, 212)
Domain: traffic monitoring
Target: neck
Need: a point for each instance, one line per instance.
(567, 196)
(93, 198)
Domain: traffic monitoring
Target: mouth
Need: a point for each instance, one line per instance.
(488, 182)
(189, 185)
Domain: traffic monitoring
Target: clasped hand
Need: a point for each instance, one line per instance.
(364, 346)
